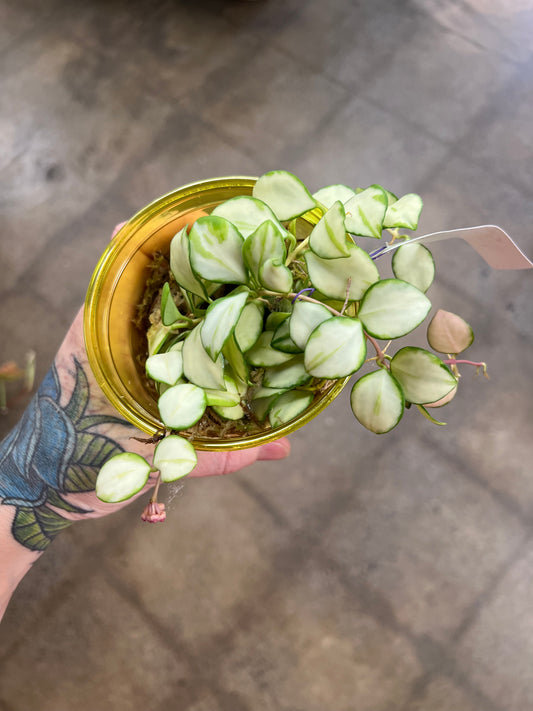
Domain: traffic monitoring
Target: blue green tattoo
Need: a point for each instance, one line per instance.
(49, 454)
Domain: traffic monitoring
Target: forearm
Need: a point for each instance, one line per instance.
(16, 560)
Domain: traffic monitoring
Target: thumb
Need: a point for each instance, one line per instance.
(216, 463)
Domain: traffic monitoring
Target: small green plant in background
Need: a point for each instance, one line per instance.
(256, 321)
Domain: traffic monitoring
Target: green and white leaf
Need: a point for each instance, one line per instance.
(169, 311)
(156, 336)
(377, 401)
(331, 276)
(328, 238)
(284, 193)
(180, 264)
(261, 405)
(221, 398)
(265, 243)
(391, 197)
(261, 391)
(121, 477)
(175, 457)
(365, 212)
(165, 367)
(235, 359)
(414, 263)
(405, 212)
(262, 354)
(449, 333)
(392, 308)
(282, 341)
(198, 366)
(288, 375)
(275, 276)
(230, 413)
(274, 319)
(331, 193)
(216, 251)
(422, 376)
(304, 319)
(336, 348)
(220, 321)
(246, 214)
(288, 406)
(249, 326)
(182, 406)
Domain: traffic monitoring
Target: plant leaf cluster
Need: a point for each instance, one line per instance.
(269, 320)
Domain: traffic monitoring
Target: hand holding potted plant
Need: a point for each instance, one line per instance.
(261, 309)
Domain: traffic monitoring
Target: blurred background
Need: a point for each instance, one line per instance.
(365, 573)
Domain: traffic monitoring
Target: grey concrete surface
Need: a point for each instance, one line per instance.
(364, 573)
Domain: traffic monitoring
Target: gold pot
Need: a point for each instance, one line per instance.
(117, 286)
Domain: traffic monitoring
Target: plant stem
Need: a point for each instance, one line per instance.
(347, 296)
(379, 353)
(303, 244)
(153, 499)
(293, 295)
(455, 361)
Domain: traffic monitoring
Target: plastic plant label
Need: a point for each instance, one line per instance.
(491, 242)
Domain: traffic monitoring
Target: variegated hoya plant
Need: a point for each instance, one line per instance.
(265, 320)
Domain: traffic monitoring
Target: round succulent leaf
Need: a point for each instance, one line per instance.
(336, 348)
(216, 251)
(282, 341)
(405, 212)
(180, 264)
(330, 276)
(392, 308)
(261, 391)
(331, 193)
(230, 413)
(422, 376)
(444, 400)
(221, 398)
(220, 321)
(182, 406)
(414, 263)
(274, 319)
(165, 367)
(288, 406)
(249, 326)
(266, 242)
(275, 276)
(288, 375)
(263, 355)
(246, 214)
(328, 238)
(365, 212)
(377, 401)
(284, 193)
(121, 477)
(261, 405)
(175, 457)
(449, 333)
(198, 366)
(305, 317)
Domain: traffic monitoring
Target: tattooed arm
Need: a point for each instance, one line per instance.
(49, 462)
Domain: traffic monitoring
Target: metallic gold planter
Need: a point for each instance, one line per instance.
(117, 286)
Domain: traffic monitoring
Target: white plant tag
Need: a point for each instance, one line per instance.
(490, 242)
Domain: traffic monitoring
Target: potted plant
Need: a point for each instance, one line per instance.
(255, 304)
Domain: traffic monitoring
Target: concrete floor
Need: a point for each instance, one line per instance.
(365, 573)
